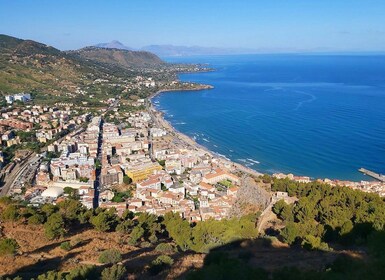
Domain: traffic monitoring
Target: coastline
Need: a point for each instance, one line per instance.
(185, 140)
(188, 141)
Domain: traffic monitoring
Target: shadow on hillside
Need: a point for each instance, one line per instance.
(52, 246)
(42, 266)
(46, 248)
(261, 258)
(264, 259)
(135, 253)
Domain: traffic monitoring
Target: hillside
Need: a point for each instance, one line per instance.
(123, 58)
(26, 65)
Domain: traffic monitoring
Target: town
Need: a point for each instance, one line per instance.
(126, 160)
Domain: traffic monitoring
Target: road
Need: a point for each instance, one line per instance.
(19, 169)
(26, 170)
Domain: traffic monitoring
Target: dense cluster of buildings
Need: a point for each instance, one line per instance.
(163, 174)
(365, 186)
(40, 123)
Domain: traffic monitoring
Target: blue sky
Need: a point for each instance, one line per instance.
(268, 25)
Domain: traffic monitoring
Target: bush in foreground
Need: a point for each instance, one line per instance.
(115, 272)
(66, 246)
(111, 256)
(8, 246)
(165, 248)
(160, 263)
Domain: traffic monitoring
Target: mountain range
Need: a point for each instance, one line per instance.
(171, 50)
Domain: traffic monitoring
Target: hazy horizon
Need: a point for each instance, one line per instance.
(282, 26)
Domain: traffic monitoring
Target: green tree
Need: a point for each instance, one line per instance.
(165, 248)
(179, 230)
(127, 180)
(70, 208)
(110, 256)
(278, 207)
(54, 227)
(311, 242)
(49, 209)
(115, 272)
(136, 234)
(82, 272)
(36, 219)
(51, 275)
(10, 213)
(125, 226)
(160, 263)
(104, 221)
(290, 233)
(8, 246)
(66, 246)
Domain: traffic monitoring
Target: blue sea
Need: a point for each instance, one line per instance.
(317, 115)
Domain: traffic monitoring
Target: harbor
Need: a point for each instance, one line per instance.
(372, 174)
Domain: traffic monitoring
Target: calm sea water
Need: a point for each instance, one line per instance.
(321, 116)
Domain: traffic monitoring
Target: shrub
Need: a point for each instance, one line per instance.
(54, 227)
(115, 272)
(66, 246)
(153, 239)
(160, 263)
(311, 242)
(136, 234)
(10, 213)
(8, 246)
(110, 256)
(165, 248)
(50, 275)
(145, 244)
(36, 219)
(82, 272)
(104, 221)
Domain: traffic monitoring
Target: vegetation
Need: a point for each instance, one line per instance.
(209, 234)
(54, 227)
(127, 180)
(8, 246)
(66, 246)
(165, 248)
(121, 196)
(115, 272)
(325, 214)
(111, 256)
(322, 218)
(160, 263)
(104, 221)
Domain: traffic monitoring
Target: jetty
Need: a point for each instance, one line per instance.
(372, 174)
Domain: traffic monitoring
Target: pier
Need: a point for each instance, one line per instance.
(372, 174)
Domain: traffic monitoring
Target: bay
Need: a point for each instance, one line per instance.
(317, 115)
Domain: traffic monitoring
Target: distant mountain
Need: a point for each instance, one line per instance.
(171, 50)
(122, 58)
(113, 45)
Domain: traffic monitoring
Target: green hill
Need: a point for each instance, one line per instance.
(122, 58)
(26, 65)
